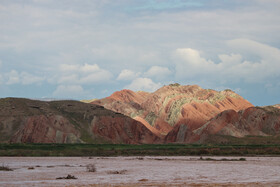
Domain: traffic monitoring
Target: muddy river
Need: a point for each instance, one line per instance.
(140, 171)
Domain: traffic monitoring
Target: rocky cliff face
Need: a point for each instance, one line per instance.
(23, 120)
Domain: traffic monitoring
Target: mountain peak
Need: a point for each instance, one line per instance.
(174, 104)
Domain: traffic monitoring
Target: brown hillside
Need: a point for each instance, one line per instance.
(30, 121)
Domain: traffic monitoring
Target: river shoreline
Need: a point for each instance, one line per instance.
(141, 171)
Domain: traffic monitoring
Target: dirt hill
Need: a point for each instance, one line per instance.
(23, 120)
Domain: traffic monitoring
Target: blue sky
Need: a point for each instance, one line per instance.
(71, 49)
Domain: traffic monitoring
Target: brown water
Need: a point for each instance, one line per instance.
(151, 170)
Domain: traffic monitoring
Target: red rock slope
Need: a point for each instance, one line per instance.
(174, 105)
(126, 102)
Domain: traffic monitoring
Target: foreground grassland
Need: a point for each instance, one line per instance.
(136, 150)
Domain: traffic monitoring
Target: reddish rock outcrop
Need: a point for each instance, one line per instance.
(191, 105)
(174, 105)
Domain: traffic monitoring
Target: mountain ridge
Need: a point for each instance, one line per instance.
(172, 104)
(172, 114)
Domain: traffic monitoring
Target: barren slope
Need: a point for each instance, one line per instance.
(126, 102)
(253, 121)
(173, 105)
(23, 120)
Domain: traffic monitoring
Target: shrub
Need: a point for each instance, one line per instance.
(117, 172)
(68, 177)
(5, 168)
(175, 84)
(91, 168)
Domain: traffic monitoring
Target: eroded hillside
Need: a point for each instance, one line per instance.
(174, 105)
(23, 120)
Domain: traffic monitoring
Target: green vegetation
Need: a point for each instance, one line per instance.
(247, 140)
(175, 85)
(136, 150)
(228, 90)
(223, 159)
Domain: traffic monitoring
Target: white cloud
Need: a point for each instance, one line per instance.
(230, 59)
(81, 74)
(106, 32)
(73, 78)
(68, 68)
(189, 63)
(90, 68)
(232, 68)
(101, 76)
(143, 84)
(69, 91)
(158, 72)
(0, 73)
(127, 74)
(127, 55)
(27, 78)
(13, 77)
(253, 47)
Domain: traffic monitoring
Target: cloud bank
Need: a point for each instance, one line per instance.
(96, 47)
(231, 67)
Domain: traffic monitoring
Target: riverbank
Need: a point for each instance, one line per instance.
(140, 171)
